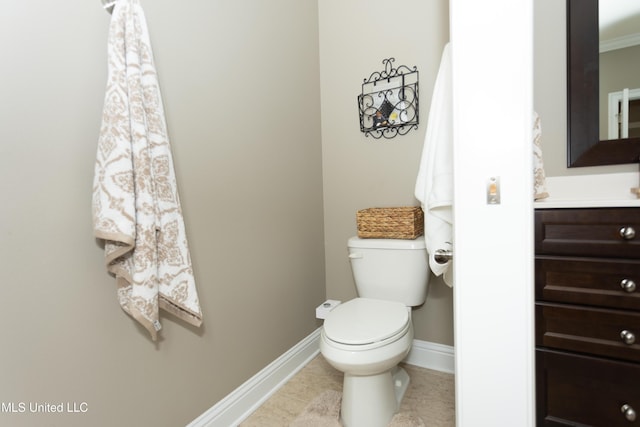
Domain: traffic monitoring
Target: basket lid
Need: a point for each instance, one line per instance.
(357, 242)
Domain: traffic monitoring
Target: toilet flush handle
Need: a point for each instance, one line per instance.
(443, 256)
(355, 255)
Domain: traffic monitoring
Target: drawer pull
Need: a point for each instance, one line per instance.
(628, 412)
(628, 337)
(628, 285)
(627, 233)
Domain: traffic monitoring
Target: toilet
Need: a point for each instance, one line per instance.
(368, 336)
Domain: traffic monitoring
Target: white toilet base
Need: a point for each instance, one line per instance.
(372, 400)
(400, 383)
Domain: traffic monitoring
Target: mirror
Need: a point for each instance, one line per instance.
(584, 146)
(619, 61)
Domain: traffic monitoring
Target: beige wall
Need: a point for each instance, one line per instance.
(240, 81)
(550, 90)
(361, 172)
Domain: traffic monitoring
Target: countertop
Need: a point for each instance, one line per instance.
(591, 191)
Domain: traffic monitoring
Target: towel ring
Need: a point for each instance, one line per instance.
(108, 5)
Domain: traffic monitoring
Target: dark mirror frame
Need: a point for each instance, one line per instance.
(584, 147)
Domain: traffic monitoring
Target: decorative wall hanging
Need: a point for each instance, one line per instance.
(388, 103)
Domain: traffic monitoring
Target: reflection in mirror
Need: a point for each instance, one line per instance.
(584, 145)
(619, 36)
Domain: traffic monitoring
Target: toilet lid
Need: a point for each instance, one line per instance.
(364, 321)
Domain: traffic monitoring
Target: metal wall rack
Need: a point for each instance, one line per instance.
(388, 104)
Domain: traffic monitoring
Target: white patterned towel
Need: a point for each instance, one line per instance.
(539, 178)
(136, 208)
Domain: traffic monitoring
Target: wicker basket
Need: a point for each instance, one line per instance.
(390, 223)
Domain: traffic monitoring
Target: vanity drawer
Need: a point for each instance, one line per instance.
(588, 232)
(589, 330)
(576, 390)
(611, 283)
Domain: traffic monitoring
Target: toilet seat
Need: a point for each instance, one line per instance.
(365, 321)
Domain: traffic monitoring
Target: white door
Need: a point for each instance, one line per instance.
(492, 60)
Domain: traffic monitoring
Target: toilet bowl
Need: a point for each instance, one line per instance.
(366, 339)
(368, 336)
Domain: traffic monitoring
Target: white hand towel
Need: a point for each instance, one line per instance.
(136, 208)
(434, 185)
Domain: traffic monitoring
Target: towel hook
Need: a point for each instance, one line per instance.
(108, 5)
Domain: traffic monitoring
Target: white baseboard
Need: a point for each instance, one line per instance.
(431, 355)
(239, 404)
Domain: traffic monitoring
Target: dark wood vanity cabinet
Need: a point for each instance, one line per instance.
(587, 289)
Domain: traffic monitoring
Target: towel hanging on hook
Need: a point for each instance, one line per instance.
(136, 207)
(108, 5)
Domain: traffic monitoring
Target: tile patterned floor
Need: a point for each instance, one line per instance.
(430, 395)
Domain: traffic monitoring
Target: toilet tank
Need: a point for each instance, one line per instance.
(390, 269)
